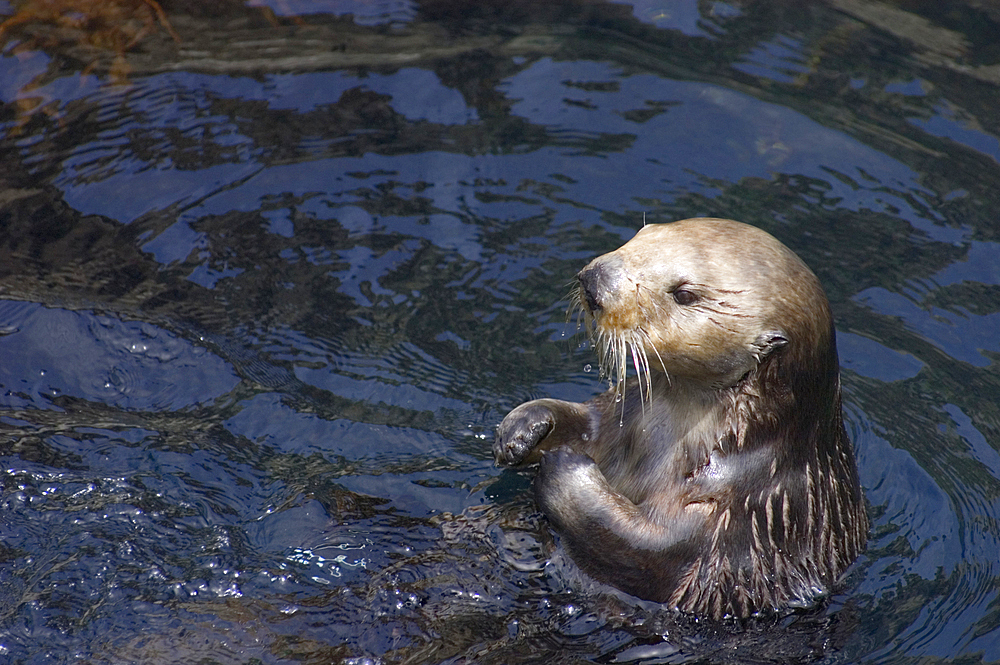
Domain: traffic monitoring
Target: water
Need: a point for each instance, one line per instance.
(265, 293)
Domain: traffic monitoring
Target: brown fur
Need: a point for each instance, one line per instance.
(719, 480)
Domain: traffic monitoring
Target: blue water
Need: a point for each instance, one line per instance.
(257, 329)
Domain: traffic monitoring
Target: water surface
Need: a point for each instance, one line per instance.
(267, 288)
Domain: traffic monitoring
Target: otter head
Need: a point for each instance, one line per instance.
(706, 301)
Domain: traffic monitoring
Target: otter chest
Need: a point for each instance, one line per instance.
(659, 453)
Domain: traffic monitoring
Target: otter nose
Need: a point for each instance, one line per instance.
(599, 281)
(588, 282)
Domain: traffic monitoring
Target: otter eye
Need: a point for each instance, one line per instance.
(685, 297)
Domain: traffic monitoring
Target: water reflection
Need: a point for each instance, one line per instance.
(267, 291)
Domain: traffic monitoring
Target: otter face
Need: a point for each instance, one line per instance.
(702, 299)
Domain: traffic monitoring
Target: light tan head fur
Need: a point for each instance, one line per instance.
(705, 300)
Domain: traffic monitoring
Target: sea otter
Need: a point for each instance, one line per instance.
(720, 479)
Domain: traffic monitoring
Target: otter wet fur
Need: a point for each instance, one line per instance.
(719, 479)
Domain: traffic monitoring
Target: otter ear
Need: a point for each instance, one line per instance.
(768, 342)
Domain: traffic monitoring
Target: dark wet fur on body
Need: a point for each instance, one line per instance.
(719, 480)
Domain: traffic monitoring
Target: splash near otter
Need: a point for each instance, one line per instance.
(719, 479)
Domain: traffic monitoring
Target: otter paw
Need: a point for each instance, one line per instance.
(520, 432)
(565, 465)
(568, 482)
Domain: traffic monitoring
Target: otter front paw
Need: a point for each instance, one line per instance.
(564, 463)
(568, 486)
(521, 432)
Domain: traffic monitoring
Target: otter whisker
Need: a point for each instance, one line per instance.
(576, 308)
(615, 348)
(641, 362)
(635, 362)
(620, 358)
(646, 369)
(650, 344)
(616, 366)
(610, 356)
(607, 354)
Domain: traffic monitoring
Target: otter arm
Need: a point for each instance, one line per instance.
(609, 536)
(542, 424)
